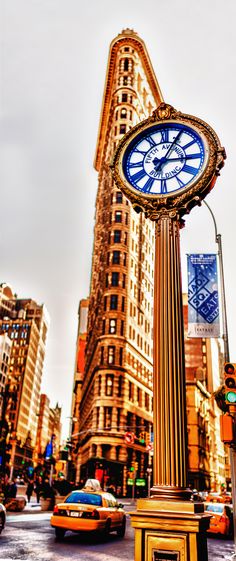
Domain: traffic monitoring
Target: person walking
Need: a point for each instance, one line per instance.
(38, 487)
(29, 490)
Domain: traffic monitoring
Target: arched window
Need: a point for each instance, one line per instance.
(126, 64)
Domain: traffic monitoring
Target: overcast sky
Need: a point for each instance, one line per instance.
(53, 63)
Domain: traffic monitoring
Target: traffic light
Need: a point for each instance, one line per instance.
(230, 383)
(226, 428)
(142, 437)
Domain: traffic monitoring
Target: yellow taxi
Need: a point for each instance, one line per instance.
(221, 521)
(89, 510)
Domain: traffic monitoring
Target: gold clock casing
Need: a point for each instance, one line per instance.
(190, 195)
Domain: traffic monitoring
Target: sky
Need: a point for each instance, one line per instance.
(53, 59)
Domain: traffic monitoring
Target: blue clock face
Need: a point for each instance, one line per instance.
(164, 159)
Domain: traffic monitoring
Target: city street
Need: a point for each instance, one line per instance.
(29, 537)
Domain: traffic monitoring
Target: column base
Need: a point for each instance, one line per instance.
(169, 492)
(170, 531)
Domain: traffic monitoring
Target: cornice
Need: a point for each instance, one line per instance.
(129, 38)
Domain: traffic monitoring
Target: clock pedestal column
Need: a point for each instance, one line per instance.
(168, 526)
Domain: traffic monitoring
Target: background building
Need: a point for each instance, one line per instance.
(49, 427)
(77, 388)
(113, 400)
(203, 365)
(26, 324)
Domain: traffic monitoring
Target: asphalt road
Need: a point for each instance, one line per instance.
(29, 537)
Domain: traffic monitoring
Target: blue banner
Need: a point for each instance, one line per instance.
(203, 300)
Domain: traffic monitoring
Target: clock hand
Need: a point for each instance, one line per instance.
(173, 143)
(186, 157)
(164, 158)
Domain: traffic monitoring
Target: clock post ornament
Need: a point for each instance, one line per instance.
(165, 166)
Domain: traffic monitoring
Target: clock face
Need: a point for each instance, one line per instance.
(165, 158)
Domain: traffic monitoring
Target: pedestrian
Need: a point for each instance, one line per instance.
(29, 490)
(12, 490)
(38, 488)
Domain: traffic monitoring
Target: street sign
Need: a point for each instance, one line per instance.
(140, 482)
(129, 437)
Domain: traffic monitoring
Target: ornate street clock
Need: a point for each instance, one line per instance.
(169, 160)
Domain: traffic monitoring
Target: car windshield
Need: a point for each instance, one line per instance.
(217, 508)
(84, 498)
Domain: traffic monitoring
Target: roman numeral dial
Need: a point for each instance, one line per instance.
(164, 158)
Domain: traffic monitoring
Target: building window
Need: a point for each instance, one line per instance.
(131, 391)
(118, 418)
(118, 216)
(146, 401)
(107, 417)
(111, 355)
(121, 356)
(120, 386)
(126, 64)
(103, 326)
(109, 384)
(119, 197)
(107, 280)
(123, 114)
(122, 129)
(123, 304)
(122, 327)
(105, 303)
(115, 278)
(124, 281)
(112, 326)
(116, 258)
(113, 302)
(124, 97)
(99, 383)
(117, 236)
(97, 417)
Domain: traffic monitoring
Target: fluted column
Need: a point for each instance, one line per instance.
(170, 428)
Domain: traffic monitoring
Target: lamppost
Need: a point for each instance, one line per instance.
(226, 358)
(165, 166)
(222, 287)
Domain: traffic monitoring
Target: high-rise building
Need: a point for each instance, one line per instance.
(206, 453)
(5, 353)
(114, 397)
(117, 387)
(49, 428)
(26, 324)
(77, 384)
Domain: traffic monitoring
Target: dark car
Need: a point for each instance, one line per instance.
(2, 517)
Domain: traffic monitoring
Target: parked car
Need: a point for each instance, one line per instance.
(88, 510)
(2, 517)
(222, 518)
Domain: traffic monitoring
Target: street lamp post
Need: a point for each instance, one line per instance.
(222, 286)
(226, 359)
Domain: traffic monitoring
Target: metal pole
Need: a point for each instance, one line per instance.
(226, 359)
(222, 287)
